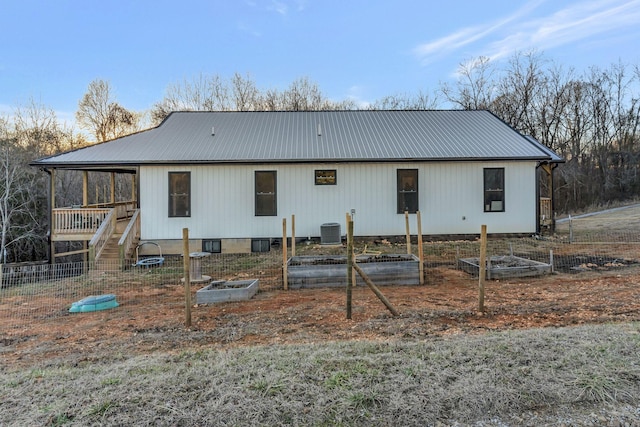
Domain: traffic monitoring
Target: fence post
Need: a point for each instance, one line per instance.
(570, 229)
(482, 265)
(293, 235)
(406, 224)
(420, 248)
(187, 276)
(349, 266)
(285, 280)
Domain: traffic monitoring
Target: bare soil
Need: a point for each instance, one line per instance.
(153, 317)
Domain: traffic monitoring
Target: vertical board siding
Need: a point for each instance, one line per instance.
(451, 200)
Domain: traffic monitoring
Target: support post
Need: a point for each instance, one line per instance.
(285, 280)
(350, 265)
(420, 248)
(293, 235)
(406, 223)
(375, 290)
(134, 189)
(548, 168)
(85, 188)
(52, 218)
(349, 219)
(187, 276)
(112, 196)
(85, 202)
(482, 265)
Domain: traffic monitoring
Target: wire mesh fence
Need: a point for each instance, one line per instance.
(43, 292)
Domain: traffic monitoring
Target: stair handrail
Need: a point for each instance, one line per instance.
(102, 236)
(129, 235)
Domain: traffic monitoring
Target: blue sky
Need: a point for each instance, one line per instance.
(361, 49)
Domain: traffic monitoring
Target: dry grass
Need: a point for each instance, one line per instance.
(465, 379)
(402, 375)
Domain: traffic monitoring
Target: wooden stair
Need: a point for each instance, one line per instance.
(110, 256)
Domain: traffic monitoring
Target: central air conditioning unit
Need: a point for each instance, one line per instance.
(330, 234)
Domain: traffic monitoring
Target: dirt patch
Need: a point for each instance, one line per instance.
(447, 304)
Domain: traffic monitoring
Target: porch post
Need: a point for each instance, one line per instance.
(134, 190)
(85, 188)
(113, 188)
(553, 198)
(548, 168)
(52, 219)
(85, 202)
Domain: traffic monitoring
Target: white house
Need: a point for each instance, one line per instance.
(230, 177)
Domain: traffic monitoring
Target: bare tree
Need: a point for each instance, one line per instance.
(244, 93)
(421, 101)
(240, 93)
(37, 129)
(101, 115)
(475, 88)
(20, 205)
(203, 93)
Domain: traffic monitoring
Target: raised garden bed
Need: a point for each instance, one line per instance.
(331, 271)
(503, 267)
(225, 291)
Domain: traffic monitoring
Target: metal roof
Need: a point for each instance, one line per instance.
(312, 136)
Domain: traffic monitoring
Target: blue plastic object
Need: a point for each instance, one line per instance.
(94, 303)
(149, 261)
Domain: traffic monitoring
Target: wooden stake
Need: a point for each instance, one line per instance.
(293, 235)
(350, 219)
(482, 265)
(187, 276)
(406, 222)
(375, 290)
(285, 279)
(347, 221)
(420, 248)
(350, 266)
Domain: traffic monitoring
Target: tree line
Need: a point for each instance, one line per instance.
(591, 118)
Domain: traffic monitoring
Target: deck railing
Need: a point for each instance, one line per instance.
(129, 236)
(78, 220)
(100, 239)
(545, 209)
(123, 209)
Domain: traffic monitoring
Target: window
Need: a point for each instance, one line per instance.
(179, 194)
(266, 193)
(326, 177)
(494, 190)
(213, 246)
(407, 190)
(260, 245)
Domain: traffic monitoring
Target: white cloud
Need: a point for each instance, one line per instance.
(355, 94)
(574, 23)
(301, 5)
(279, 7)
(243, 27)
(465, 36)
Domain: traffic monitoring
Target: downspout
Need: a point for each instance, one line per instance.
(538, 198)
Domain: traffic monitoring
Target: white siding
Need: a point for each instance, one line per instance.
(451, 200)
